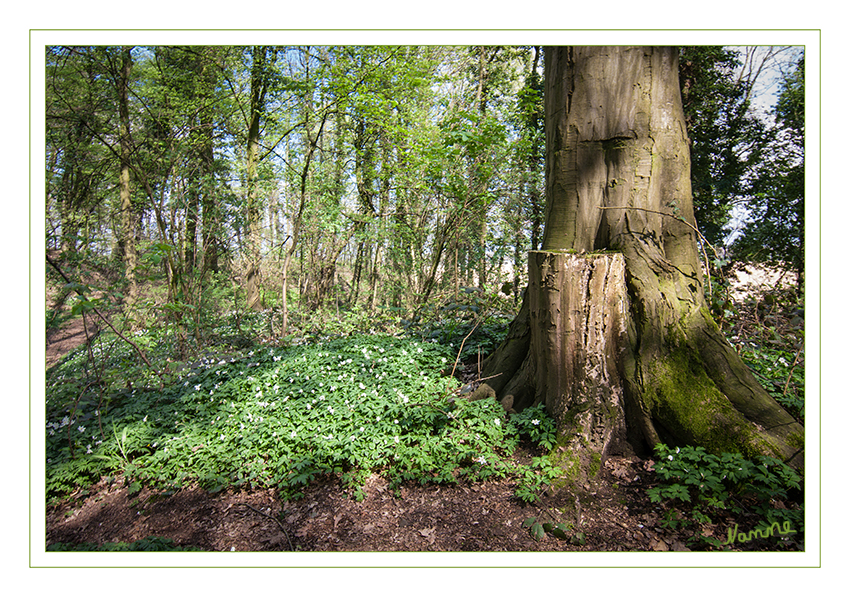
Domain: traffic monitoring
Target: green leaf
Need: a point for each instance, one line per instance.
(537, 532)
(560, 530)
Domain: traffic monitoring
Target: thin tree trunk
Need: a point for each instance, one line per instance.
(209, 205)
(298, 217)
(358, 270)
(191, 236)
(252, 200)
(128, 211)
(374, 278)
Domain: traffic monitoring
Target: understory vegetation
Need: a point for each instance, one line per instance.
(245, 410)
(279, 416)
(701, 490)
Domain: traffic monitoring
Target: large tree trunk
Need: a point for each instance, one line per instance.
(614, 331)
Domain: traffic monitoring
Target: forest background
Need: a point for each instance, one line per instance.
(376, 182)
(454, 141)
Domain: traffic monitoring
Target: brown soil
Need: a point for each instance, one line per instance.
(615, 515)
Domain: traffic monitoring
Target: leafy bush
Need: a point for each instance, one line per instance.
(702, 488)
(473, 319)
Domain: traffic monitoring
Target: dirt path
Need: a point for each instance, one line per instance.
(60, 341)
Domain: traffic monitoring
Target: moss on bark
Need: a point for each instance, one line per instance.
(683, 399)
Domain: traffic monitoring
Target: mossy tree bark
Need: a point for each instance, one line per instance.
(129, 212)
(614, 332)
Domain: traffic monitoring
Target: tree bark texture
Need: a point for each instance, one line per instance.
(578, 311)
(618, 180)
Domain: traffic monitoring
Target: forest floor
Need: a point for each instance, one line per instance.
(612, 514)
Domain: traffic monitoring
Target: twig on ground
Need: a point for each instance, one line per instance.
(460, 350)
(288, 540)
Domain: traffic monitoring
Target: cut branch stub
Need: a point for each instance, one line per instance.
(578, 317)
